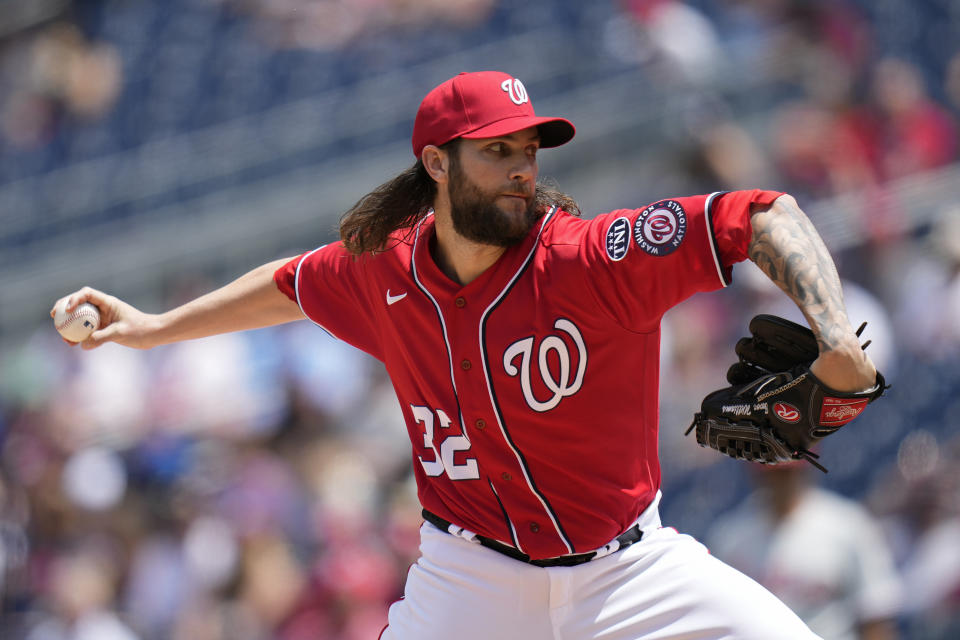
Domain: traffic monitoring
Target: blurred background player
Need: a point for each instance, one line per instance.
(822, 554)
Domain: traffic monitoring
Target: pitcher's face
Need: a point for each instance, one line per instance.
(492, 186)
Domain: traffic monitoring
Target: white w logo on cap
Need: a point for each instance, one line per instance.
(516, 91)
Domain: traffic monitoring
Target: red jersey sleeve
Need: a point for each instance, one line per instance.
(329, 285)
(731, 222)
(644, 261)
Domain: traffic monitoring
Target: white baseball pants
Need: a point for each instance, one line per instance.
(667, 585)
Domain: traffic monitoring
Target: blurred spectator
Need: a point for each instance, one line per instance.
(820, 45)
(919, 134)
(821, 152)
(81, 587)
(728, 157)
(335, 24)
(421, 13)
(925, 287)
(56, 74)
(919, 499)
(822, 554)
(672, 40)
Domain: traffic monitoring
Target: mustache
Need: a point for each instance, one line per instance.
(521, 189)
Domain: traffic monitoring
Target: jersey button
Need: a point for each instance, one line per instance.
(534, 527)
(465, 365)
(461, 302)
(506, 476)
(480, 424)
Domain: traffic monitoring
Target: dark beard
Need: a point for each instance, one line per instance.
(476, 216)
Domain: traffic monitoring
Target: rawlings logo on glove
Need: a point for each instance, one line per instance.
(775, 408)
(786, 412)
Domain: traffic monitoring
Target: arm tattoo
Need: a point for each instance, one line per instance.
(787, 247)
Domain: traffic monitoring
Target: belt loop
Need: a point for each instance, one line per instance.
(466, 534)
(450, 528)
(607, 549)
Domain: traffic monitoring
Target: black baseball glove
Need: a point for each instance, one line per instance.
(775, 408)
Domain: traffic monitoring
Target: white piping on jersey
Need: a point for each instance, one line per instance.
(443, 323)
(503, 431)
(711, 237)
(513, 531)
(296, 290)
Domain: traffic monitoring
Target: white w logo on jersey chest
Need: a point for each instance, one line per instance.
(566, 383)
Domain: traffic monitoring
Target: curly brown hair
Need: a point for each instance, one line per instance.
(402, 201)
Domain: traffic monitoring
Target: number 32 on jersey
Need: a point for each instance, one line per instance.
(443, 458)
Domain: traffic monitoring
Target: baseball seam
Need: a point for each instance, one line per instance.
(79, 314)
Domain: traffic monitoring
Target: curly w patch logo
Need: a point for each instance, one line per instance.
(566, 383)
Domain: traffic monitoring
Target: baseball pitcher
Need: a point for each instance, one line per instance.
(523, 344)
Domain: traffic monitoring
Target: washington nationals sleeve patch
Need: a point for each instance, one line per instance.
(660, 228)
(618, 239)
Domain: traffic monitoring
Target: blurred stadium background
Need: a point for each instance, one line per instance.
(257, 486)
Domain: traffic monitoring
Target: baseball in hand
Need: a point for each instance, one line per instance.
(79, 324)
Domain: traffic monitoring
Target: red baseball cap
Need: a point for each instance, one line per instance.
(483, 104)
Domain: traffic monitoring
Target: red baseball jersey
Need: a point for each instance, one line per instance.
(531, 394)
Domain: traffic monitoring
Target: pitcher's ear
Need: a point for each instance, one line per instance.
(437, 163)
